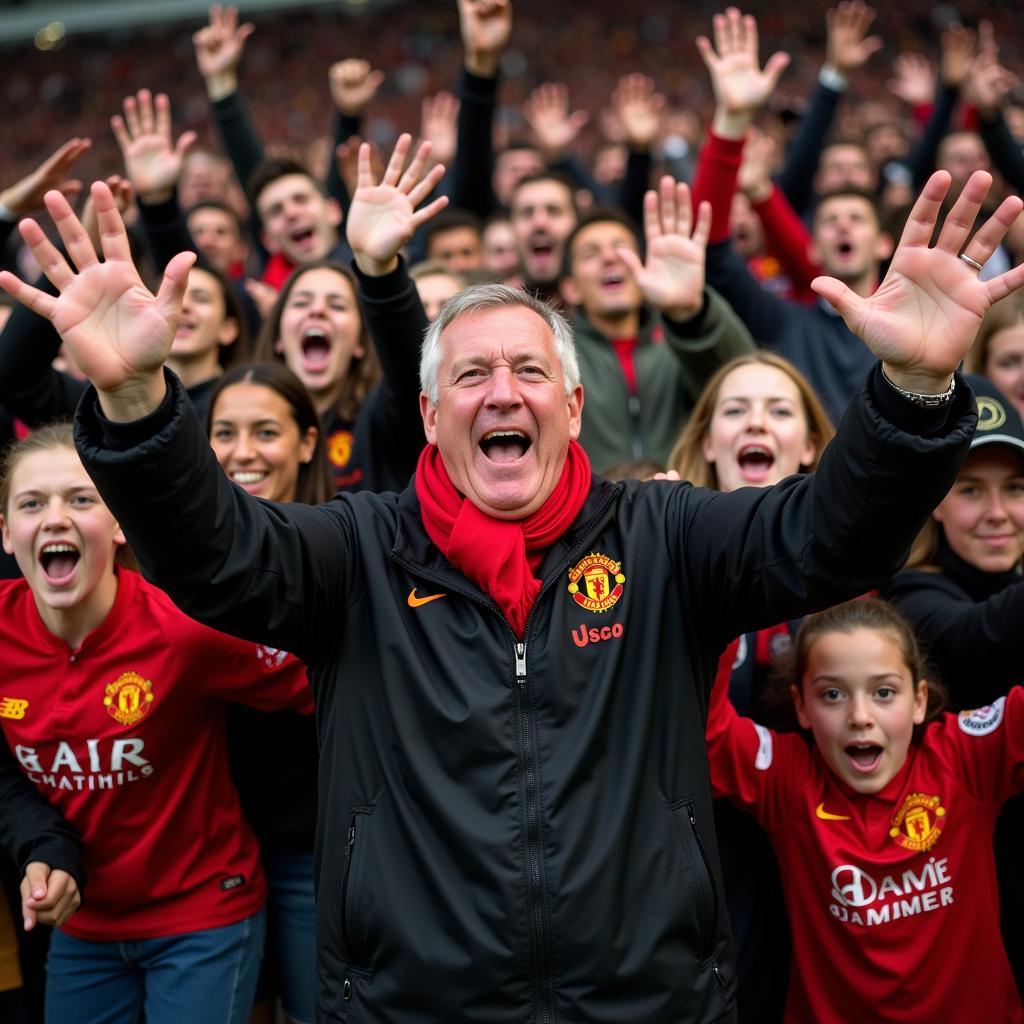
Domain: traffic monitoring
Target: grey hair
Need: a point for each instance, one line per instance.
(479, 298)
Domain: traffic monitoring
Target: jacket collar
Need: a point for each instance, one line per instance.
(415, 549)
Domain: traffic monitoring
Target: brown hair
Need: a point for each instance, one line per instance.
(313, 484)
(363, 371)
(1007, 312)
(687, 457)
(866, 613)
(58, 434)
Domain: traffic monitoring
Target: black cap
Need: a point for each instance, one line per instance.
(998, 419)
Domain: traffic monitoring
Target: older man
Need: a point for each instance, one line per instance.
(511, 659)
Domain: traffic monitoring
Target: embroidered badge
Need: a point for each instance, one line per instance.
(918, 823)
(12, 707)
(339, 448)
(596, 582)
(981, 721)
(270, 657)
(128, 698)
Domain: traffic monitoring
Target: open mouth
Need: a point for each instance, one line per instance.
(613, 280)
(303, 239)
(316, 349)
(59, 560)
(185, 328)
(864, 757)
(250, 479)
(755, 462)
(845, 249)
(505, 446)
(542, 248)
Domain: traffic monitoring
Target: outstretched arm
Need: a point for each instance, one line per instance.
(924, 317)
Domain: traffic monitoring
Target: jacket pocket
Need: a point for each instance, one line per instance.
(705, 890)
(353, 888)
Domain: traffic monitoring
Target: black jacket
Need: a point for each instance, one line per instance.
(509, 831)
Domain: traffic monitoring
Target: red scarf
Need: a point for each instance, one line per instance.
(500, 555)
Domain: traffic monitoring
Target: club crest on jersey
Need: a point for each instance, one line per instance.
(918, 823)
(270, 657)
(13, 707)
(128, 698)
(596, 582)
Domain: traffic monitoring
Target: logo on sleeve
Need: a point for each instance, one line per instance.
(128, 698)
(270, 657)
(13, 708)
(982, 720)
(596, 582)
(918, 824)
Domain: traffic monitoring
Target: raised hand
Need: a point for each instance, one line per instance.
(486, 26)
(27, 194)
(848, 46)
(913, 79)
(924, 316)
(353, 85)
(957, 54)
(672, 278)
(48, 895)
(741, 86)
(347, 159)
(152, 160)
(638, 106)
(439, 116)
(382, 218)
(546, 111)
(118, 332)
(219, 47)
(123, 193)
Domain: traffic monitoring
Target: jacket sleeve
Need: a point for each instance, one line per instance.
(474, 150)
(391, 426)
(29, 385)
(749, 763)
(713, 337)
(925, 154)
(1006, 153)
(804, 154)
(281, 575)
(30, 827)
(344, 128)
(166, 232)
(764, 314)
(959, 635)
(789, 241)
(751, 558)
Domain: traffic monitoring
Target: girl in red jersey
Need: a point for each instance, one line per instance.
(122, 702)
(882, 825)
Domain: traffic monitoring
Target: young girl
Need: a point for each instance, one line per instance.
(122, 702)
(266, 436)
(883, 825)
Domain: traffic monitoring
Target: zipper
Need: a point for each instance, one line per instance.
(708, 947)
(633, 406)
(542, 961)
(349, 855)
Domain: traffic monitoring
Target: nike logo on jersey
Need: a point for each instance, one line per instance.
(416, 602)
(820, 812)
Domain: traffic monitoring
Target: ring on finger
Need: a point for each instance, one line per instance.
(971, 262)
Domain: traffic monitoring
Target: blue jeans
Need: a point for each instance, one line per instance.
(201, 977)
(290, 958)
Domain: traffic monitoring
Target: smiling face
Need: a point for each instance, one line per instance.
(542, 218)
(298, 220)
(860, 701)
(502, 421)
(983, 514)
(1004, 363)
(598, 281)
(319, 332)
(256, 440)
(62, 536)
(759, 432)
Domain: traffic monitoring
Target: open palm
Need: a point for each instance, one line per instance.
(923, 318)
(118, 331)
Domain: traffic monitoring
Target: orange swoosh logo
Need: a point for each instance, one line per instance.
(825, 816)
(416, 602)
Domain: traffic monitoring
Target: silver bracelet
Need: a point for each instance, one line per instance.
(924, 401)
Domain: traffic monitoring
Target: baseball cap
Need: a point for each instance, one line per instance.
(998, 419)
